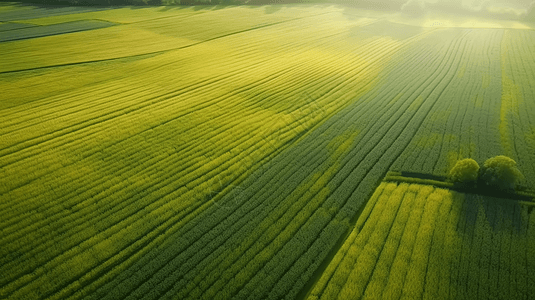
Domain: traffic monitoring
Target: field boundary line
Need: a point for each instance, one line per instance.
(161, 51)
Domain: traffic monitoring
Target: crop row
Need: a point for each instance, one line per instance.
(141, 38)
(141, 167)
(233, 173)
(343, 181)
(277, 266)
(96, 224)
(148, 266)
(221, 228)
(127, 103)
(360, 166)
(436, 245)
(460, 126)
(485, 115)
(517, 121)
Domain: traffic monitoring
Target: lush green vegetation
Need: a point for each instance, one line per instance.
(464, 170)
(420, 242)
(187, 153)
(500, 172)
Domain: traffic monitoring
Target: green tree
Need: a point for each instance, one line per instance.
(500, 172)
(465, 171)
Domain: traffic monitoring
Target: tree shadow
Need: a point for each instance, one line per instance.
(499, 213)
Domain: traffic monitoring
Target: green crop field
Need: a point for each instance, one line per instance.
(415, 241)
(242, 152)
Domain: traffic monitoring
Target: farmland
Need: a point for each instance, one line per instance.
(415, 241)
(239, 152)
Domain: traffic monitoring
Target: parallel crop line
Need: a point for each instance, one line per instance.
(205, 40)
(530, 250)
(238, 236)
(167, 96)
(400, 265)
(428, 158)
(412, 118)
(327, 275)
(373, 160)
(494, 272)
(518, 256)
(450, 248)
(281, 46)
(518, 66)
(162, 51)
(474, 55)
(349, 156)
(435, 263)
(118, 142)
(461, 274)
(415, 154)
(473, 265)
(413, 285)
(504, 280)
(378, 279)
(331, 198)
(340, 277)
(467, 135)
(369, 256)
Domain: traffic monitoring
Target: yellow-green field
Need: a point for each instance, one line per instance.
(233, 152)
(415, 241)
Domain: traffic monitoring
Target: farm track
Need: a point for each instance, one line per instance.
(203, 174)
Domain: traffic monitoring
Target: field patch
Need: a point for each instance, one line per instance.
(11, 26)
(418, 241)
(23, 33)
(122, 15)
(105, 44)
(25, 12)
